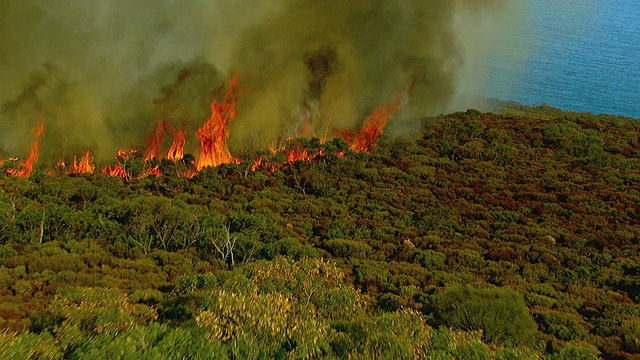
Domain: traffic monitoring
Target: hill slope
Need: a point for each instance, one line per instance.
(527, 222)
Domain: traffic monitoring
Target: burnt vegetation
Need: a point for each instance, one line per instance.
(512, 236)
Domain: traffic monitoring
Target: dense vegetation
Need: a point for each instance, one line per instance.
(487, 236)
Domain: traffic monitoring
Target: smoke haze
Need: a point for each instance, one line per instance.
(101, 74)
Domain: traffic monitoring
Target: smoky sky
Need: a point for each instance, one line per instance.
(100, 74)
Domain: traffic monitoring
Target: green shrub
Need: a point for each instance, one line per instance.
(402, 334)
(630, 331)
(432, 260)
(7, 251)
(572, 351)
(371, 275)
(500, 313)
(28, 346)
(289, 247)
(345, 248)
(87, 312)
(264, 325)
(22, 287)
(6, 280)
(474, 350)
(563, 325)
(516, 354)
(152, 341)
(350, 337)
(442, 340)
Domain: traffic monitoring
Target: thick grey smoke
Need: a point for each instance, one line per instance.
(101, 73)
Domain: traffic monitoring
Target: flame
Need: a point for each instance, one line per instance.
(273, 149)
(85, 166)
(326, 131)
(116, 170)
(126, 154)
(257, 163)
(154, 141)
(25, 168)
(294, 151)
(213, 137)
(153, 171)
(176, 152)
(373, 128)
(297, 154)
(213, 134)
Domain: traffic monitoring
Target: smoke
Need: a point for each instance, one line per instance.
(101, 74)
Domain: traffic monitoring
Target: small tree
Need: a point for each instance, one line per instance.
(224, 244)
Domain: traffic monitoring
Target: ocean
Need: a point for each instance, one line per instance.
(581, 55)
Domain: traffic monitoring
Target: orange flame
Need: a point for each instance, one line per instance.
(213, 134)
(294, 151)
(176, 152)
(296, 154)
(126, 154)
(153, 171)
(85, 166)
(25, 168)
(373, 128)
(116, 170)
(257, 163)
(154, 141)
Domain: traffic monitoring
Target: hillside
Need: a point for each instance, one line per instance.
(512, 236)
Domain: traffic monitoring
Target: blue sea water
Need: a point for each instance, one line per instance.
(581, 55)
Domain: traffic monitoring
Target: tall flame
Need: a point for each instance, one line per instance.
(25, 168)
(213, 134)
(176, 152)
(85, 166)
(373, 128)
(213, 137)
(154, 141)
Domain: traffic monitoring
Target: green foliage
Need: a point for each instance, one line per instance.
(563, 325)
(7, 251)
(289, 247)
(90, 312)
(399, 335)
(537, 200)
(152, 341)
(270, 322)
(576, 351)
(430, 259)
(27, 345)
(500, 313)
(631, 336)
(346, 248)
